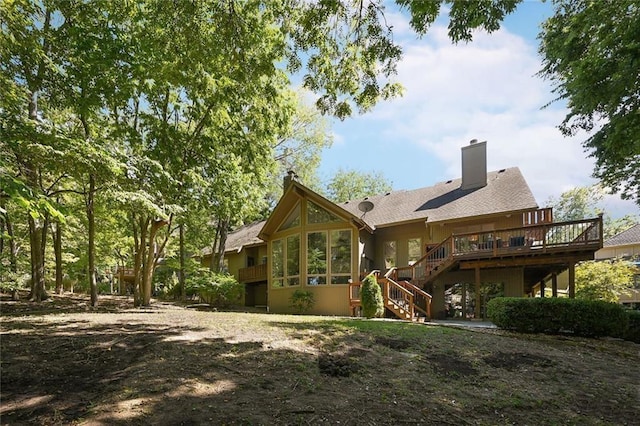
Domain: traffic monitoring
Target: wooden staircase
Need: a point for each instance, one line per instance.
(405, 300)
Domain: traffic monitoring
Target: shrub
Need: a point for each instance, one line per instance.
(371, 298)
(552, 315)
(302, 300)
(220, 290)
(632, 332)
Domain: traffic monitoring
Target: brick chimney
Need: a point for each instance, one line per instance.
(290, 177)
(474, 165)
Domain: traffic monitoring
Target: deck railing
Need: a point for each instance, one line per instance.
(547, 237)
(253, 273)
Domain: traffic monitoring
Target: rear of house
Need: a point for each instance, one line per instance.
(442, 250)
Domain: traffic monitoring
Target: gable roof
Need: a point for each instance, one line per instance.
(630, 236)
(295, 192)
(506, 191)
(244, 236)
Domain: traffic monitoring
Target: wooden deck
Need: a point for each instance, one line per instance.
(541, 248)
(546, 244)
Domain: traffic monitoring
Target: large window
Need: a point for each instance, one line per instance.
(293, 260)
(414, 250)
(316, 258)
(277, 264)
(390, 259)
(292, 220)
(286, 254)
(316, 214)
(333, 245)
(340, 257)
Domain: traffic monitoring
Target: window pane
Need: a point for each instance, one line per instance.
(293, 255)
(389, 254)
(278, 283)
(317, 253)
(293, 219)
(316, 214)
(415, 249)
(277, 267)
(341, 252)
(293, 281)
(340, 279)
(317, 280)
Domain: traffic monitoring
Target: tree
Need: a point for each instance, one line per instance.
(165, 109)
(299, 147)
(603, 280)
(348, 185)
(590, 51)
(582, 202)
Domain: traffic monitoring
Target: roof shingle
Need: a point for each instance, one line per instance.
(630, 236)
(506, 191)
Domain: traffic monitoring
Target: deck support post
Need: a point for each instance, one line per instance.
(464, 300)
(572, 280)
(477, 307)
(542, 287)
(554, 285)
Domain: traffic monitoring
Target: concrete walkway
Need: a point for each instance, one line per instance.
(462, 323)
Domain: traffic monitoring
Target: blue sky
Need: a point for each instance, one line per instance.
(485, 90)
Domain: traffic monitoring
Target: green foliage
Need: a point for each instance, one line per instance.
(302, 300)
(554, 315)
(464, 16)
(371, 297)
(603, 280)
(219, 290)
(348, 185)
(590, 50)
(577, 203)
(632, 332)
(12, 281)
(584, 202)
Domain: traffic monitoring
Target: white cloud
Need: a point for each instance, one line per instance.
(486, 90)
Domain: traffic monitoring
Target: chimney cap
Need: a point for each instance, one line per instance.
(473, 141)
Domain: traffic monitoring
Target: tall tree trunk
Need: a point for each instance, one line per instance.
(57, 249)
(89, 203)
(223, 224)
(153, 253)
(213, 262)
(140, 226)
(183, 290)
(37, 236)
(13, 247)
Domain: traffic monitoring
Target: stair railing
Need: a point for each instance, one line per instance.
(398, 296)
(422, 268)
(421, 299)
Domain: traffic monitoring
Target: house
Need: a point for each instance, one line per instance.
(442, 250)
(625, 245)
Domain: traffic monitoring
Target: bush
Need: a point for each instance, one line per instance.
(553, 315)
(632, 332)
(371, 298)
(302, 300)
(220, 290)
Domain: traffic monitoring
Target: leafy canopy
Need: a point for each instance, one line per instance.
(348, 185)
(590, 52)
(603, 280)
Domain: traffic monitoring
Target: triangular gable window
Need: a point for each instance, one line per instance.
(292, 220)
(316, 214)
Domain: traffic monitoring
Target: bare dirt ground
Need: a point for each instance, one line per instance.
(63, 362)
